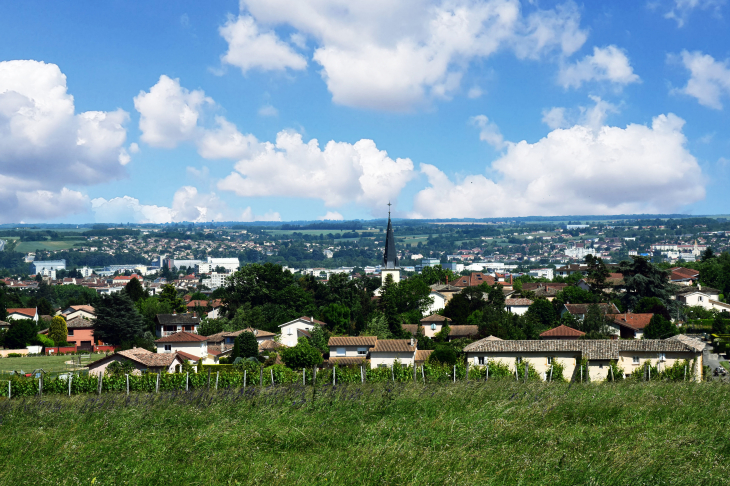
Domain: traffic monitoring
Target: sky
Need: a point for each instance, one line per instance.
(273, 110)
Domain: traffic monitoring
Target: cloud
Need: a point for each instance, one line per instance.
(555, 118)
(680, 10)
(580, 170)
(45, 145)
(268, 110)
(340, 174)
(249, 216)
(489, 131)
(331, 216)
(709, 80)
(187, 205)
(592, 117)
(474, 92)
(249, 48)
(399, 54)
(608, 64)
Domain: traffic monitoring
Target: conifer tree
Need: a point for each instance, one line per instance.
(58, 330)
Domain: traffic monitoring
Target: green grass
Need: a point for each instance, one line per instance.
(467, 433)
(47, 363)
(725, 365)
(30, 246)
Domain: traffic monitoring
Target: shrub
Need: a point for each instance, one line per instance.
(14, 355)
(303, 355)
(443, 355)
(45, 341)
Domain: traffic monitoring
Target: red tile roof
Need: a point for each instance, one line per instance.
(188, 356)
(30, 312)
(437, 318)
(352, 341)
(517, 302)
(182, 337)
(634, 321)
(476, 278)
(562, 331)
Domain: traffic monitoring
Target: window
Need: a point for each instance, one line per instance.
(519, 359)
(700, 299)
(550, 360)
(382, 366)
(362, 351)
(662, 357)
(341, 352)
(636, 360)
(70, 332)
(433, 327)
(168, 347)
(481, 360)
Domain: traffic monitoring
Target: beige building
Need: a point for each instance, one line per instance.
(628, 354)
(291, 331)
(186, 342)
(141, 359)
(387, 351)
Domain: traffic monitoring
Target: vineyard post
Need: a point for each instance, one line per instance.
(334, 375)
(362, 374)
(527, 368)
(272, 376)
(101, 380)
(217, 373)
(187, 380)
(612, 378)
(392, 372)
(261, 376)
(486, 375)
(10, 390)
(209, 378)
(157, 382)
(454, 373)
(551, 373)
(685, 374)
(70, 377)
(40, 385)
(127, 384)
(423, 373)
(245, 376)
(304, 376)
(467, 370)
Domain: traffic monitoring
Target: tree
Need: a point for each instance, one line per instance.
(595, 323)
(659, 328)
(463, 304)
(377, 326)
(44, 307)
(21, 333)
(245, 346)
(543, 312)
(443, 354)
(642, 279)
(652, 305)
(597, 275)
(436, 274)
(303, 355)
(58, 331)
(117, 320)
(708, 254)
(319, 338)
(443, 335)
(169, 295)
(719, 325)
(388, 305)
(337, 317)
(135, 291)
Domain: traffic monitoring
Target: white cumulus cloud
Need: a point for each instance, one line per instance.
(709, 80)
(488, 131)
(580, 170)
(249, 47)
(249, 216)
(606, 64)
(339, 174)
(680, 10)
(45, 145)
(331, 216)
(398, 54)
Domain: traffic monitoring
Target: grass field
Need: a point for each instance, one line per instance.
(466, 433)
(30, 246)
(47, 363)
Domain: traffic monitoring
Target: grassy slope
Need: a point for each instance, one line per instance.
(494, 433)
(47, 363)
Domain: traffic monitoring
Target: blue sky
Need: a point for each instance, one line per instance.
(182, 111)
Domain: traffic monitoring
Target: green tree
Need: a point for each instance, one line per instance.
(659, 328)
(245, 346)
(443, 354)
(22, 332)
(58, 331)
(466, 302)
(443, 335)
(337, 317)
(319, 338)
(170, 296)
(643, 279)
(388, 304)
(303, 355)
(44, 307)
(135, 291)
(652, 305)
(597, 275)
(544, 312)
(436, 274)
(595, 323)
(378, 326)
(117, 320)
(719, 325)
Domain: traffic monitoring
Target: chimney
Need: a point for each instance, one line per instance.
(411, 341)
(447, 280)
(699, 286)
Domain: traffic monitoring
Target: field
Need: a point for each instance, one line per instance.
(31, 246)
(47, 363)
(465, 433)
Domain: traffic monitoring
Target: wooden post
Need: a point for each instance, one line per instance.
(101, 380)
(70, 377)
(486, 375)
(157, 382)
(414, 371)
(304, 376)
(314, 375)
(649, 368)
(245, 375)
(392, 372)
(467, 370)
(685, 375)
(40, 385)
(217, 374)
(127, 384)
(334, 375)
(272, 376)
(209, 378)
(261, 376)
(581, 372)
(423, 373)
(454, 373)
(517, 377)
(362, 374)
(551, 373)
(527, 368)
(10, 389)
(611, 368)
(187, 380)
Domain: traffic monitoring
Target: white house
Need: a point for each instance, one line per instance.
(698, 296)
(350, 349)
(83, 311)
(16, 314)
(387, 351)
(542, 273)
(438, 302)
(517, 306)
(291, 331)
(188, 343)
(230, 264)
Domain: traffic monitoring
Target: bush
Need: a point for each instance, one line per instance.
(443, 355)
(303, 355)
(45, 341)
(14, 355)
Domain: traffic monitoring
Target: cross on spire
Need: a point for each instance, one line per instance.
(389, 205)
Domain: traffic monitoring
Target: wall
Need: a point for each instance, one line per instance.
(350, 351)
(5, 352)
(81, 335)
(138, 367)
(517, 309)
(199, 349)
(389, 358)
(537, 361)
(428, 332)
(626, 361)
(291, 339)
(439, 302)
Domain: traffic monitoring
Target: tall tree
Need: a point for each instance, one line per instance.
(245, 346)
(21, 333)
(170, 296)
(389, 307)
(463, 304)
(303, 355)
(337, 318)
(58, 330)
(643, 279)
(597, 275)
(595, 323)
(134, 290)
(659, 328)
(117, 320)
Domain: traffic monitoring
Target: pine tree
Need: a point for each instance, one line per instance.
(117, 320)
(134, 290)
(245, 346)
(58, 330)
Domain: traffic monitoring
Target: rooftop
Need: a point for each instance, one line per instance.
(393, 346)
(352, 341)
(182, 337)
(562, 331)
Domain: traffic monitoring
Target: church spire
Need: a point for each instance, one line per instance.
(390, 258)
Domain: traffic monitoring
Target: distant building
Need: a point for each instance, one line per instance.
(45, 267)
(230, 264)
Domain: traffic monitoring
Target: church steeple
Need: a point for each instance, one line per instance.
(390, 258)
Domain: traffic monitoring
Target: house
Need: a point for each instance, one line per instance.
(629, 325)
(229, 338)
(432, 324)
(720, 306)
(612, 281)
(387, 351)
(517, 306)
(167, 324)
(142, 360)
(562, 332)
(448, 291)
(573, 268)
(350, 349)
(439, 301)
(455, 331)
(216, 308)
(699, 295)
(81, 333)
(192, 344)
(579, 311)
(422, 356)
(123, 280)
(474, 280)
(16, 314)
(291, 331)
(83, 311)
(629, 354)
(683, 276)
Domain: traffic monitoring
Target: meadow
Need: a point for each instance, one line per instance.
(31, 246)
(496, 432)
(47, 363)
